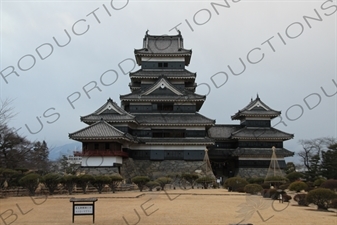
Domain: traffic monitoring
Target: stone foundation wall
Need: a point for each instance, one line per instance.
(252, 172)
(152, 169)
(155, 169)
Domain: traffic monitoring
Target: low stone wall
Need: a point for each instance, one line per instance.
(252, 172)
(98, 171)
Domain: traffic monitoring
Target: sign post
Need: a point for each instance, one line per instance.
(82, 207)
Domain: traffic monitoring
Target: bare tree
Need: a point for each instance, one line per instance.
(312, 155)
(6, 113)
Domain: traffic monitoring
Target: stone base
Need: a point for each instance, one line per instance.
(252, 172)
(155, 169)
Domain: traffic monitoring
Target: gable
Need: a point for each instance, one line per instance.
(162, 87)
(258, 106)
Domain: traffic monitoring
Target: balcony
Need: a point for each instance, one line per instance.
(101, 153)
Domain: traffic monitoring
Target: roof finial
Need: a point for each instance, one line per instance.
(147, 32)
(251, 99)
(257, 96)
(179, 32)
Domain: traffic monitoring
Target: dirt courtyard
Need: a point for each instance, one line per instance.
(195, 206)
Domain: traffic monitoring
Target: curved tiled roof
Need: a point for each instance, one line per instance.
(101, 130)
(177, 95)
(176, 119)
(163, 45)
(171, 74)
(177, 141)
(256, 108)
(109, 112)
(260, 133)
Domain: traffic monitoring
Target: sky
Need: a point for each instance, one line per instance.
(284, 51)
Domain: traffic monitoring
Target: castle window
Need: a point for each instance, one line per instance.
(160, 65)
(165, 106)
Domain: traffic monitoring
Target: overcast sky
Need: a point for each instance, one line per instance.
(290, 59)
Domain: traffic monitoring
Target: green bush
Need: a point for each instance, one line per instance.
(9, 176)
(163, 181)
(83, 181)
(51, 181)
(256, 180)
(115, 181)
(100, 181)
(265, 185)
(276, 179)
(301, 199)
(140, 181)
(298, 186)
(31, 182)
(69, 182)
(273, 193)
(294, 176)
(152, 184)
(330, 184)
(190, 178)
(321, 197)
(205, 181)
(253, 188)
(319, 181)
(286, 198)
(284, 186)
(333, 203)
(234, 183)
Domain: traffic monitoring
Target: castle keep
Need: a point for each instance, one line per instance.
(158, 130)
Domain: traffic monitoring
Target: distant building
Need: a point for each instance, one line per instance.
(158, 130)
(75, 159)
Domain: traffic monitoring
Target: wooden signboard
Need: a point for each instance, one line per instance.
(83, 207)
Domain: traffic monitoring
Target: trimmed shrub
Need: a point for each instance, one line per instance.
(298, 186)
(190, 178)
(115, 180)
(286, 198)
(69, 182)
(301, 199)
(253, 188)
(333, 203)
(265, 193)
(273, 194)
(31, 182)
(265, 185)
(100, 181)
(152, 184)
(51, 180)
(294, 176)
(321, 197)
(83, 181)
(256, 180)
(319, 181)
(330, 184)
(163, 181)
(205, 181)
(284, 186)
(276, 179)
(9, 176)
(140, 181)
(234, 183)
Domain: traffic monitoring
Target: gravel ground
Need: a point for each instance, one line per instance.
(197, 206)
